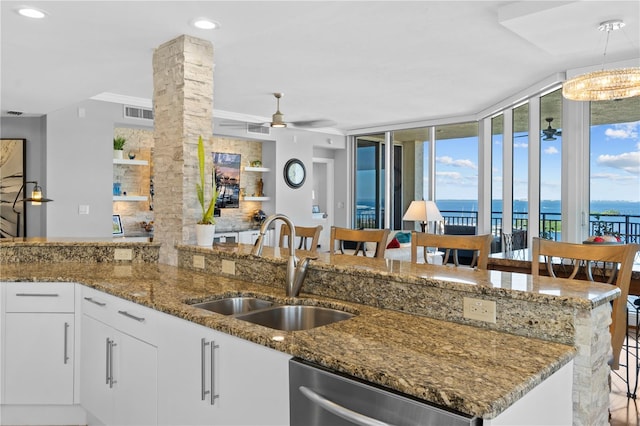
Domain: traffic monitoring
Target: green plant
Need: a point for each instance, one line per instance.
(207, 210)
(118, 143)
(601, 227)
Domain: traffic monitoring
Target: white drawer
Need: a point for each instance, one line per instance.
(39, 297)
(98, 305)
(137, 321)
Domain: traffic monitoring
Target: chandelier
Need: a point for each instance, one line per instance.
(604, 85)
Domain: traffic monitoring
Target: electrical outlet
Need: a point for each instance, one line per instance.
(228, 267)
(123, 254)
(480, 309)
(198, 261)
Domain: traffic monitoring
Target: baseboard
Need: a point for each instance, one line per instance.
(41, 415)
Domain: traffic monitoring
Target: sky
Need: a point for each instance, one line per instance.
(614, 165)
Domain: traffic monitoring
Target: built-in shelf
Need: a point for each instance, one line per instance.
(257, 169)
(130, 198)
(131, 162)
(256, 198)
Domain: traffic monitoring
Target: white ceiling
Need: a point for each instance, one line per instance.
(358, 63)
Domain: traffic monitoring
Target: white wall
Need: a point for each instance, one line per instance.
(80, 168)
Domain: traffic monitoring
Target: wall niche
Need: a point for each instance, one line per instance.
(137, 180)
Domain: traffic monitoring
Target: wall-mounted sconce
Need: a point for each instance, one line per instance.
(35, 199)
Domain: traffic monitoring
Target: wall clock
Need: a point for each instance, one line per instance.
(294, 173)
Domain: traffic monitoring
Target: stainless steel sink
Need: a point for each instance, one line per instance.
(234, 305)
(295, 317)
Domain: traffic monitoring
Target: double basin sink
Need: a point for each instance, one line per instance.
(269, 314)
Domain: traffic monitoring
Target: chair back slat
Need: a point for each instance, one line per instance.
(583, 256)
(308, 235)
(360, 236)
(480, 244)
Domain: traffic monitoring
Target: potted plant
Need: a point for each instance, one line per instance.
(205, 228)
(118, 145)
(603, 232)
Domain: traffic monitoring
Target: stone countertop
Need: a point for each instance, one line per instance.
(468, 369)
(542, 289)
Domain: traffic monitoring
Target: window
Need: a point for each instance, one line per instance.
(520, 167)
(456, 172)
(497, 175)
(369, 181)
(614, 167)
(551, 165)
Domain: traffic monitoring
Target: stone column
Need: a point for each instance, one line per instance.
(183, 110)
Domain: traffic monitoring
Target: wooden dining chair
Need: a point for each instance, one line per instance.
(360, 237)
(577, 261)
(479, 244)
(308, 237)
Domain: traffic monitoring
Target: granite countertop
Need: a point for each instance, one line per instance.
(472, 370)
(541, 289)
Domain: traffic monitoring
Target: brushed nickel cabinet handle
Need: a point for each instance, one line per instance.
(203, 384)
(213, 373)
(128, 315)
(37, 294)
(95, 302)
(66, 341)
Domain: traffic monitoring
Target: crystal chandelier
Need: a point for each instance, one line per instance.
(604, 85)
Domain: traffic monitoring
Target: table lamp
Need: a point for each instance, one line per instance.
(423, 211)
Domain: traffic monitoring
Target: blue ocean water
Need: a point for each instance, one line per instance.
(520, 206)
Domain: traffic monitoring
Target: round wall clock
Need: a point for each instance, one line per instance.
(294, 173)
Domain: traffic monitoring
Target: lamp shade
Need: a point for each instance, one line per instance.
(422, 211)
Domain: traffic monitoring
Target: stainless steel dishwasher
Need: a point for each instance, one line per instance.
(320, 397)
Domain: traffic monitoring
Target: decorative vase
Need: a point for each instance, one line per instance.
(117, 154)
(205, 234)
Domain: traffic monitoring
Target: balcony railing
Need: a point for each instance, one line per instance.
(626, 226)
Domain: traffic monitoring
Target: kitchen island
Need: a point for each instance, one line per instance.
(465, 366)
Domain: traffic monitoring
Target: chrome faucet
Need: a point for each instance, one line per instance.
(296, 271)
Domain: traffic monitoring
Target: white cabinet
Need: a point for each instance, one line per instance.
(38, 343)
(250, 237)
(119, 360)
(249, 383)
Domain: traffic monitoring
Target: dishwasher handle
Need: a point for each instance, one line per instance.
(339, 410)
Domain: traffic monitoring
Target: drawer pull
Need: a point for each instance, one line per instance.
(37, 294)
(128, 315)
(95, 302)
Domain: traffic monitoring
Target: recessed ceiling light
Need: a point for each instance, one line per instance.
(31, 12)
(205, 24)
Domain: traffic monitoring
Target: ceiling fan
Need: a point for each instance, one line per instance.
(277, 119)
(550, 133)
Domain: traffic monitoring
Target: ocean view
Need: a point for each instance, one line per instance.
(520, 206)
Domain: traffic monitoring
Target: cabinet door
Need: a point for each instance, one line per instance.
(184, 374)
(135, 381)
(250, 382)
(95, 394)
(251, 375)
(38, 356)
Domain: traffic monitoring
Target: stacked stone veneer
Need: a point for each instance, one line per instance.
(577, 322)
(135, 180)
(183, 111)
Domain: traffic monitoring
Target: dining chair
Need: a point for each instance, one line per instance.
(577, 261)
(308, 235)
(479, 244)
(360, 237)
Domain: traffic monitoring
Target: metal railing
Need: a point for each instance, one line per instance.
(626, 226)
